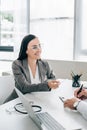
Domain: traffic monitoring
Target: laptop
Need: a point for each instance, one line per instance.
(43, 120)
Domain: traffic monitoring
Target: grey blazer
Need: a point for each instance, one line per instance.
(23, 80)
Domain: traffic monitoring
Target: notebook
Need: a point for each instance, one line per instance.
(43, 120)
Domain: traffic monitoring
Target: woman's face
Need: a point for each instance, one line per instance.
(34, 49)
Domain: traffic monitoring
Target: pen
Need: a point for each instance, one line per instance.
(72, 74)
(61, 98)
(80, 89)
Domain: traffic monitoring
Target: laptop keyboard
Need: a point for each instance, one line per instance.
(49, 122)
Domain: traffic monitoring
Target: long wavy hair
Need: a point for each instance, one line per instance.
(23, 47)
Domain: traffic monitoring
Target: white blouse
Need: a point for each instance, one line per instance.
(35, 80)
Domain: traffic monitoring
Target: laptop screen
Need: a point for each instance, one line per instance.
(28, 108)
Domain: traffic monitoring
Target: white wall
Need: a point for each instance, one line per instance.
(63, 69)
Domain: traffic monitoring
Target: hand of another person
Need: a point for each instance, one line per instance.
(82, 95)
(53, 84)
(69, 103)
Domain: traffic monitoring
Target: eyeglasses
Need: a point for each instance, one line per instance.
(36, 47)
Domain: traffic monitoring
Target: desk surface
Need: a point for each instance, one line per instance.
(50, 102)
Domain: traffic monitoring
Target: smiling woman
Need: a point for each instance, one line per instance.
(31, 73)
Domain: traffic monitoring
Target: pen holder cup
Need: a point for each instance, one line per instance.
(76, 81)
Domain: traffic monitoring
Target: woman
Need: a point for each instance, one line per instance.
(32, 74)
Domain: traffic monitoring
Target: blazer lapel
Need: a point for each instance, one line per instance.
(26, 69)
(42, 71)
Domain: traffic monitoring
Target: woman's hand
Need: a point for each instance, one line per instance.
(53, 84)
(82, 95)
(69, 103)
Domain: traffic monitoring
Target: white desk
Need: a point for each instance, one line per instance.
(49, 102)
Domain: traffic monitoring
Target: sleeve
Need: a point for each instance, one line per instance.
(82, 108)
(23, 84)
(50, 72)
